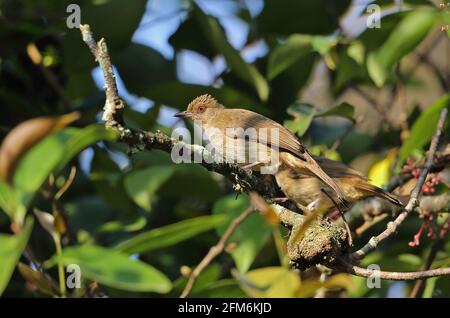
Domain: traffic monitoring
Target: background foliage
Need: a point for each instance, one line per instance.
(134, 223)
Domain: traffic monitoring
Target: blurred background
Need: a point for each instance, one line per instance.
(359, 81)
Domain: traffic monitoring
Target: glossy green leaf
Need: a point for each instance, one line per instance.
(11, 247)
(142, 67)
(99, 14)
(217, 39)
(170, 234)
(285, 17)
(141, 185)
(115, 269)
(343, 110)
(423, 128)
(250, 236)
(303, 115)
(52, 154)
(286, 54)
(405, 37)
(164, 94)
(10, 203)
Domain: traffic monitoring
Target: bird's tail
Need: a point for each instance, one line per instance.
(308, 163)
(376, 191)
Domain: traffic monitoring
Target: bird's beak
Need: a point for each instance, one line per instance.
(183, 114)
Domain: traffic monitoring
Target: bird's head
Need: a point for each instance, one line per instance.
(201, 108)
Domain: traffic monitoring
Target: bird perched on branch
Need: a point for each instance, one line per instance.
(255, 141)
(311, 194)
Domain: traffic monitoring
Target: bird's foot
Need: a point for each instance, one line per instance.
(279, 200)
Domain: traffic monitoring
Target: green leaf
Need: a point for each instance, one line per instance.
(99, 14)
(224, 288)
(423, 128)
(405, 37)
(164, 94)
(217, 39)
(52, 154)
(350, 66)
(303, 115)
(141, 185)
(270, 282)
(115, 269)
(108, 180)
(250, 236)
(141, 67)
(343, 110)
(286, 54)
(77, 140)
(323, 44)
(285, 17)
(11, 247)
(10, 203)
(170, 234)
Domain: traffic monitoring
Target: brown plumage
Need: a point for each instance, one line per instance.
(274, 141)
(304, 189)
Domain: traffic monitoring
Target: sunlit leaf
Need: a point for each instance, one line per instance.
(423, 128)
(24, 136)
(380, 173)
(11, 247)
(286, 54)
(303, 115)
(405, 37)
(269, 282)
(52, 154)
(343, 110)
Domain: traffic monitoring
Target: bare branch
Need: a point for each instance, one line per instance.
(364, 272)
(215, 251)
(413, 200)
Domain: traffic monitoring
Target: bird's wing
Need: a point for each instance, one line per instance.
(285, 140)
(336, 169)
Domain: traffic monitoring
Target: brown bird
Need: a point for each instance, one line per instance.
(307, 191)
(254, 141)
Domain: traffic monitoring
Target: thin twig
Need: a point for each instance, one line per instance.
(372, 101)
(413, 200)
(364, 272)
(214, 251)
(401, 93)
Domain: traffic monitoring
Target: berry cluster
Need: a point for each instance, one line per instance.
(429, 186)
(431, 232)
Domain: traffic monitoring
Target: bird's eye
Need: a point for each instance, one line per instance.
(201, 109)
